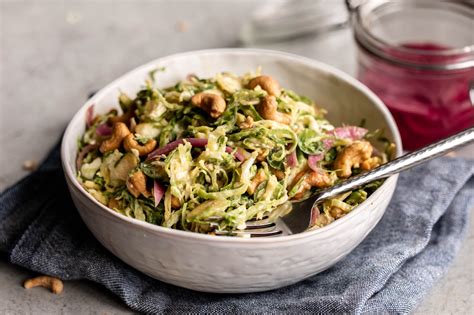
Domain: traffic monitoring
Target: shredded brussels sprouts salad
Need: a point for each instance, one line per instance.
(210, 154)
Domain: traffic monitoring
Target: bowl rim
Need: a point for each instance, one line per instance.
(71, 178)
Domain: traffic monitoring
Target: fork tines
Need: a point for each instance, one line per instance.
(259, 228)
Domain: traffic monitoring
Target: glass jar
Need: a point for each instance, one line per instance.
(418, 57)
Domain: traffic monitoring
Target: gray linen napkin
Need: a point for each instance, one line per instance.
(391, 271)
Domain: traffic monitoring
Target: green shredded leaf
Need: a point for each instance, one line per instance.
(310, 142)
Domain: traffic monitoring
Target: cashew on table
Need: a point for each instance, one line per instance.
(213, 104)
(353, 155)
(54, 284)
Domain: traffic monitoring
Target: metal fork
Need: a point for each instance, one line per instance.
(299, 218)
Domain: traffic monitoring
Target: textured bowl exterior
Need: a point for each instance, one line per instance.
(226, 264)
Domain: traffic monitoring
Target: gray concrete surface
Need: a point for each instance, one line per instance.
(53, 53)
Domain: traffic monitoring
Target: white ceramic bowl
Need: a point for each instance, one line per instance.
(226, 264)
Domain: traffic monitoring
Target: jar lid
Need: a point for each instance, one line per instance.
(285, 19)
(424, 34)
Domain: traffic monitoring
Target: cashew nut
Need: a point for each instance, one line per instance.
(268, 109)
(213, 104)
(175, 203)
(246, 123)
(30, 165)
(130, 143)
(136, 184)
(267, 83)
(54, 284)
(262, 155)
(371, 163)
(119, 131)
(257, 180)
(313, 179)
(352, 156)
(323, 220)
(113, 203)
(319, 179)
(279, 174)
(124, 118)
(337, 213)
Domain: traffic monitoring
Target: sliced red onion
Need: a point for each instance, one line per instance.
(291, 159)
(90, 116)
(313, 161)
(195, 142)
(242, 152)
(239, 155)
(314, 216)
(328, 143)
(349, 132)
(103, 130)
(86, 149)
(158, 192)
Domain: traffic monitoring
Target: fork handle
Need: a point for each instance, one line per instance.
(397, 165)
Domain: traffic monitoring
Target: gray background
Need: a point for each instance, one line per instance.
(53, 53)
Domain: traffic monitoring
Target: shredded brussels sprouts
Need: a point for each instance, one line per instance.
(210, 154)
